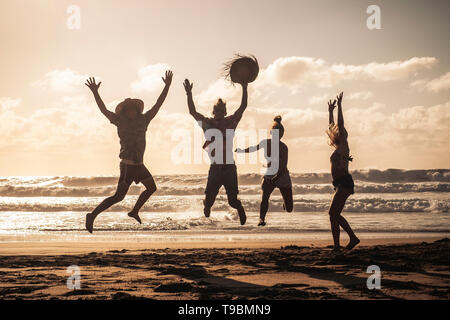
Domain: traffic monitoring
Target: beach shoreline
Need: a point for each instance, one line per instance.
(44, 244)
(417, 268)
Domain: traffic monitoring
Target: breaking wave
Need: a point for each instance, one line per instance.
(367, 181)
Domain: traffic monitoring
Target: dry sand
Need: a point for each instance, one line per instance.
(410, 269)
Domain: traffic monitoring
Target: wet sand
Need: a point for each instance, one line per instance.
(410, 269)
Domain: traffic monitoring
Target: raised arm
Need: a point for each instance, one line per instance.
(239, 112)
(340, 114)
(90, 83)
(150, 114)
(188, 87)
(331, 106)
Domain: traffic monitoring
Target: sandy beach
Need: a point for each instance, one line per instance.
(411, 268)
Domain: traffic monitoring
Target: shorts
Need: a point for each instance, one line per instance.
(282, 181)
(222, 175)
(345, 182)
(133, 173)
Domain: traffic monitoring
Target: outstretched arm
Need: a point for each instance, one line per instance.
(250, 149)
(239, 112)
(90, 83)
(188, 87)
(247, 150)
(150, 114)
(331, 106)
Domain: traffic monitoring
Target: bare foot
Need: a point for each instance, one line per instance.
(337, 249)
(135, 215)
(90, 222)
(242, 216)
(206, 211)
(261, 223)
(353, 243)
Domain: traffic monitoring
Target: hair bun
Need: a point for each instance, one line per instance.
(277, 119)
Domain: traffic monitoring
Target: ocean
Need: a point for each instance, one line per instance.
(391, 202)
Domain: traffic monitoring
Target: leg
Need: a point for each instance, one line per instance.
(353, 238)
(231, 187)
(212, 189)
(267, 189)
(122, 189)
(337, 205)
(286, 193)
(150, 186)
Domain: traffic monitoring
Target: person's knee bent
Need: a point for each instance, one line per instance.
(120, 194)
(118, 197)
(334, 215)
(234, 202)
(152, 189)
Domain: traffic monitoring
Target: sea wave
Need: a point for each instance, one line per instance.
(198, 189)
(183, 204)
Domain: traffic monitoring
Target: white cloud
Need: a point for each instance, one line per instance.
(149, 77)
(361, 95)
(61, 81)
(319, 99)
(435, 85)
(218, 89)
(301, 71)
(7, 103)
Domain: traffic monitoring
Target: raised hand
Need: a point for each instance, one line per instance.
(331, 105)
(90, 83)
(188, 86)
(168, 78)
(339, 98)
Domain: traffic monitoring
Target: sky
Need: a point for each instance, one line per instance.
(396, 80)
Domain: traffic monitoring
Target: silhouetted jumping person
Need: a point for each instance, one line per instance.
(222, 171)
(279, 179)
(342, 180)
(131, 127)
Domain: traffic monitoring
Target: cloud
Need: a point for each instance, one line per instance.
(301, 71)
(435, 85)
(7, 103)
(319, 99)
(149, 77)
(67, 81)
(360, 95)
(218, 89)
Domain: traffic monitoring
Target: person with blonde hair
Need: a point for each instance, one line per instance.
(277, 174)
(131, 125)
(342, 179)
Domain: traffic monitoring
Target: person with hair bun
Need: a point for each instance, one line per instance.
(342, 179)
(277, 174)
